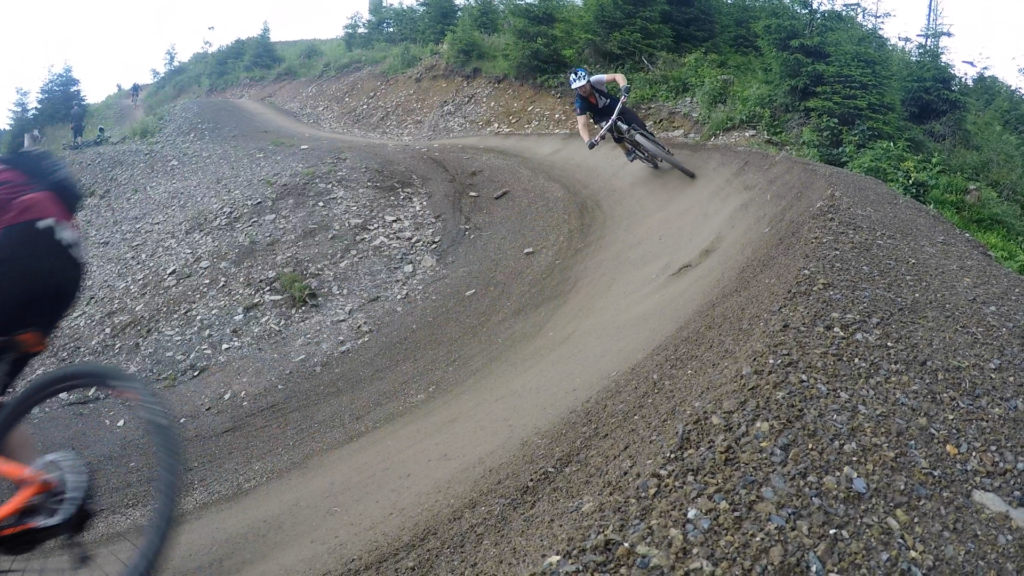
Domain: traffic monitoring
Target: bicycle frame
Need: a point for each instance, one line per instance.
(611, 121)
(32, 483)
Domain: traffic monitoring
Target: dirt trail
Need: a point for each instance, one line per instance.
(129, 114)
(659, 247)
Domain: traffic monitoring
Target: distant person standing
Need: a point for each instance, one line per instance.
(135, 94)
(77, 123)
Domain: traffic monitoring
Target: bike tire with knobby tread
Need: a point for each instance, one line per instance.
(660, 153)
(160, 430)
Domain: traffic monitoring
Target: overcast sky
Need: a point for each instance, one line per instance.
(112, 41)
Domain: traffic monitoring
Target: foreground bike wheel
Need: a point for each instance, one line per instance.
(123, 434)
(657, 150)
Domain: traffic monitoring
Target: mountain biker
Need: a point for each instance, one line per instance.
(77, 123)
(135, 92)
(40, 258)
(593, 99)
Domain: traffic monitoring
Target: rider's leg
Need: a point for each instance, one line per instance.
(631, 118)
(18, 445)
(621, 143)
(619, 140)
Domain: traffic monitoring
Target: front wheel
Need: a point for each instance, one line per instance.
(655, 149)
(118, 429)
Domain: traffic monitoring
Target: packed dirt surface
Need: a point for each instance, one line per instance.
(777, 367)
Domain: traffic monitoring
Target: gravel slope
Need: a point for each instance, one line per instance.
(833, 410)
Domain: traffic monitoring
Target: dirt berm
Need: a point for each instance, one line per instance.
(777, 366)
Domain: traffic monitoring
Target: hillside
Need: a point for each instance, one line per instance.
(774, 365)
(736, 443)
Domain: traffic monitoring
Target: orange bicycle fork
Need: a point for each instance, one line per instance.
(31, 484)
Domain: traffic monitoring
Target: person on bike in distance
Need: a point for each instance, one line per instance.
(593, 99)
(135, 91)
(41, 262)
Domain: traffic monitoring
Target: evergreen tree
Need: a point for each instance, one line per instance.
(21, 121)
(57, 96)
(626, 31)
(483, 16)
(692, 23)
(436, 19)
(262, 54)
(929, 87)
(536, 48)
(354, 35)
(464, 44)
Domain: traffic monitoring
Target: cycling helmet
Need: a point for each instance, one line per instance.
(578, 77)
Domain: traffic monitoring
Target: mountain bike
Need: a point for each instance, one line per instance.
(99, 140)
(62, 513)
(643, 143)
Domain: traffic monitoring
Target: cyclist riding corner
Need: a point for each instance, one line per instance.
(41, 263)
(135, 89)
(593, 99)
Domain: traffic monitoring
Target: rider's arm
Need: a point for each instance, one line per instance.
(619, 79)
(581, 122)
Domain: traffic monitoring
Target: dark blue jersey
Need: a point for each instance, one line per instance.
(600, 105)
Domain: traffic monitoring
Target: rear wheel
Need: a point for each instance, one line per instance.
(656, 149)
(118, 429)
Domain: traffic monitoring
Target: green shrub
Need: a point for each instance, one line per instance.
(464, 44)
(296, 288)
(144, 129)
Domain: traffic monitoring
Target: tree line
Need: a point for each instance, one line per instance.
(53, 103)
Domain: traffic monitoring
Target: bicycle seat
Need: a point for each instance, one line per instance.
(26, 342)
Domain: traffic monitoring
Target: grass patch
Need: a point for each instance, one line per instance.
(281, 143)
(296, 288)
(144, 129)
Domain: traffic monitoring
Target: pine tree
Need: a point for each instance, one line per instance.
(21, 119)
(436, 19)
(627, 31)
(262, 52)
(57, 96)
(483, 16)
(536, 48)
(691, 22)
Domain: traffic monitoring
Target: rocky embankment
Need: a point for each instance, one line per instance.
(202, 248)
(433, 102)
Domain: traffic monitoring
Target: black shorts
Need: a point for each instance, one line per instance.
(628, 117)
(77, 131)
(39, 279)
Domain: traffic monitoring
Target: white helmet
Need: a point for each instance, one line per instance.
(578, 77)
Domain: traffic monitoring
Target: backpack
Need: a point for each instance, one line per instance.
(48, 173)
